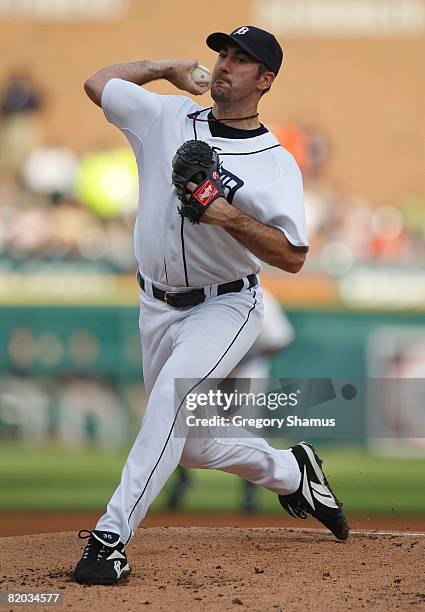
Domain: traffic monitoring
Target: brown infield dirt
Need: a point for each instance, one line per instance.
(229, 567)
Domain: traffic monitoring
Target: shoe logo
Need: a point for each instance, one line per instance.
(318, 491)
(115, 555)
(306, 490)
(323, 495)
(118, 568)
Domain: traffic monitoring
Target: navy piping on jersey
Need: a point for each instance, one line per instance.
(250, 152)
(194, 116)
(181, 404)
(183, 252)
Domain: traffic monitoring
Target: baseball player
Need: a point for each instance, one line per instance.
(218, 193)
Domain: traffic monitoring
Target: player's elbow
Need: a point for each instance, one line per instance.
(294, 268)
(295, 264)
(92, 90)
(88, 88)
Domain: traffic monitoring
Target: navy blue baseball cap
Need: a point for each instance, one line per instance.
(258, 43)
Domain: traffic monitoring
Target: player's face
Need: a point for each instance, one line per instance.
(235, 76)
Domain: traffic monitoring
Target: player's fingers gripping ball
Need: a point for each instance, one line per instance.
(200, 75)
(196, 162)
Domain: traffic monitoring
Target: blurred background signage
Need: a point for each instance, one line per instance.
(370, 18)
(63, 10)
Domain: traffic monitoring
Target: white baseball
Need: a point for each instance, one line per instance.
(200, 75)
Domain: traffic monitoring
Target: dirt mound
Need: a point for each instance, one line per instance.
(179, 568)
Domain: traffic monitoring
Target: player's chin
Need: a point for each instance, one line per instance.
(220, 92)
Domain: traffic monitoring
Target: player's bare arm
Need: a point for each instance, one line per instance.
(268, 243)
(141, 72)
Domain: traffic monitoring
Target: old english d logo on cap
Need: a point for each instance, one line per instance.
(240, 31)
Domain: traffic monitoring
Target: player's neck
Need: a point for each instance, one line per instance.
(246, 116)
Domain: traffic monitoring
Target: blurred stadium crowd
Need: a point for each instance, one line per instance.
(61, 211)
(57, 207)
(40, 227)
(69, 410)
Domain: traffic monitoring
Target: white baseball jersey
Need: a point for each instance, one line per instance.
(259, 176)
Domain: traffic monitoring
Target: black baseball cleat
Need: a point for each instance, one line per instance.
(314, 495)
(104, 560)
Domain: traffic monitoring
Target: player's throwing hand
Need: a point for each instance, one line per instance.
(179, 75)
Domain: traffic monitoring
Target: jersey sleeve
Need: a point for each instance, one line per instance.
(137, 112)
(283, 201)
(131, 108)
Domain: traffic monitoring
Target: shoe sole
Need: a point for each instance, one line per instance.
(317, 464)
(93, 582)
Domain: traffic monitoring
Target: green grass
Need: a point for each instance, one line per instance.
(59, 480)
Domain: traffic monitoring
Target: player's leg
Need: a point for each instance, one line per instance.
(104, 558)
(294, 474)
(208, 342)
(155, 335)
(157, 347)
(155, 320)
(250, 457)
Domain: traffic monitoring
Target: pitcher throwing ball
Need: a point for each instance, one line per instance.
(218, 193)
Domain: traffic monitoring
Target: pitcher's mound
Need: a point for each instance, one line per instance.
(185, 569)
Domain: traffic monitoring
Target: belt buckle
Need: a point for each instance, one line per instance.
(167, 293)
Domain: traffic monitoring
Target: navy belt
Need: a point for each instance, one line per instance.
(177, 299)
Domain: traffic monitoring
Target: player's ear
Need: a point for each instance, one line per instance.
(265, 78)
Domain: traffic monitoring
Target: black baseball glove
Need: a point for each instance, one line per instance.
(196, 162)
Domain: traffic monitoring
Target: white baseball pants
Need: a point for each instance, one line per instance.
(206, 341)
